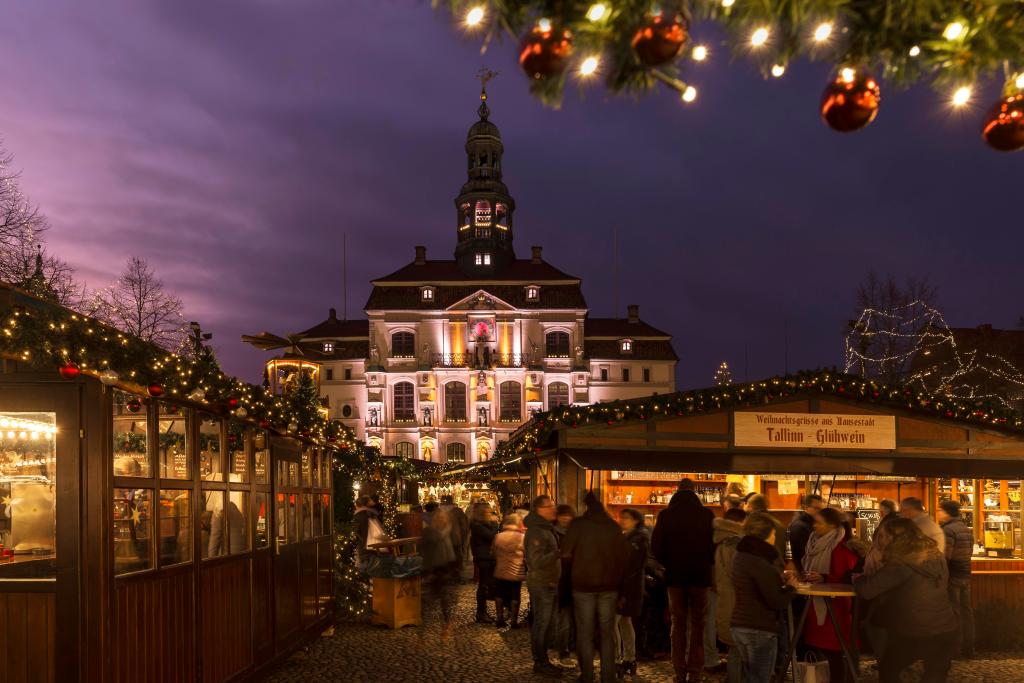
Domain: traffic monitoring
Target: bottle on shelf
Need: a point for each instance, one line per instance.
(629, 497)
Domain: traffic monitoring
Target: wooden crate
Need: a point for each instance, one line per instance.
(396, 602)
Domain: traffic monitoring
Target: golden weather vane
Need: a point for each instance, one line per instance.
(484, 75)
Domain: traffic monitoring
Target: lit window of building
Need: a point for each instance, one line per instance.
(427, 294)
(626, 346)
(328, 347)
(532, 293)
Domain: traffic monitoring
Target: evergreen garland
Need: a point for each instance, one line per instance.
(904, 41)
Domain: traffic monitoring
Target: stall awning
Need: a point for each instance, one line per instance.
(785, 463)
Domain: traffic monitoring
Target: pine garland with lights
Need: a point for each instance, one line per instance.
(45, 335)
(535, 435)
(636, 45)
(352, 593)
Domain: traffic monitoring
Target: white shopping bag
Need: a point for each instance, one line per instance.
(375, 533)
(811, 670)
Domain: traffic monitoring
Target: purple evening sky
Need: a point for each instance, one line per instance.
(232, 144)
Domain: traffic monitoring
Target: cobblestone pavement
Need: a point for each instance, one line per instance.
(361, 653)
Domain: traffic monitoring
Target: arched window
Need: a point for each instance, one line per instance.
(558, 395)
(405, 449)
(466, 215)
(483, 212)
(456, 452)
(403, 345)
(404, 408)
(501, 215)
(557, 345)
(455, 402)
(510, 402)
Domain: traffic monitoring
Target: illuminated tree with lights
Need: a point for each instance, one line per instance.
(723, 375)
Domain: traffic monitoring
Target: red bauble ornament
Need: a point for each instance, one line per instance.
(545, 51)
(155, 390)
(264, 424)
(232, 403)
(133, 405)
(850, 102)
(660, 40)
(1004, 127)
(69, 370)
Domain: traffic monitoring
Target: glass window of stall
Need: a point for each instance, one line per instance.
(999, 510)
(28, 474)
(135, 487)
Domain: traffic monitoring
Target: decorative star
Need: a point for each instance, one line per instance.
(6, 501)
(136, 515)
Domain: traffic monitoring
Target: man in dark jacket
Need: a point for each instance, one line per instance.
(761, 594)
(459, 531)
(959, 549)
(801, 527)
(682, 543)
(364, 513)
(543, 569)
(597, 552)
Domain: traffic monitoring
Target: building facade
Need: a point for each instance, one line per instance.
(455, 354)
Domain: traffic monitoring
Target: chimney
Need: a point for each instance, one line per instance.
(536, 255)
(633, 313)
(421, 256)
(332, 315)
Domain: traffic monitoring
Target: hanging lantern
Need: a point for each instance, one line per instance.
(69, 370)
(197, 395)
(545, 50)
(851, 101)
(241, 413)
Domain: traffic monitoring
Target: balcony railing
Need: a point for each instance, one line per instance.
(511, 360)
(452, 360)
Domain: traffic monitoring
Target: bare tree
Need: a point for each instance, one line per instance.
(894, 322)
(19, 218)
(138, 304)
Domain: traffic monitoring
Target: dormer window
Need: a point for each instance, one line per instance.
(483, 259)
(328, 347)
(427, 294)
(626, 345)
(532, 293)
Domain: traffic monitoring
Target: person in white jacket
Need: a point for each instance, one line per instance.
(913, 509)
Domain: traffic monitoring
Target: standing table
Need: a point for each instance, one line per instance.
(396, 602)
(828, 592)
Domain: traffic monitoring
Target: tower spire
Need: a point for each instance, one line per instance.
(484, 75)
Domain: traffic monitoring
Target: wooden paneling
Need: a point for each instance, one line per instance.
(286, 596)
(262, 607)
(154, 629)
(308, 582)
(27, 637)
(225, 624)
(1005, 590)
(325, 574)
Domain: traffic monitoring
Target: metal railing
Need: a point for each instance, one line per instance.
(452, 360)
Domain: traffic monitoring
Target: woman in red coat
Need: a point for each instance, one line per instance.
(829, 560)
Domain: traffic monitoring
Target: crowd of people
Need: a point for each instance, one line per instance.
(715, 593)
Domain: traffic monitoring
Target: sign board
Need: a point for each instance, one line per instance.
(815, 430)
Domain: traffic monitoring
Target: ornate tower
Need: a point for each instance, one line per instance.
(484, 207)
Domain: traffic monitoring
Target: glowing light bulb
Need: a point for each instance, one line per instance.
(1020, 81)
(474, 16)
(759, 37)
(597, 11)
(728, 3)
(700, 53)
(962, 95)
(848, 75)
(823, 31)
(690, 94)
(589, 66)
(953, 30)
(10, 435)
(915, 51)
(544, 25)
(778, 70)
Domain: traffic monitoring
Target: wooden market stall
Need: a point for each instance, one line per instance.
(855, 442)
(151, 538)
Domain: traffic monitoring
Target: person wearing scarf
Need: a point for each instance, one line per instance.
(829, 560)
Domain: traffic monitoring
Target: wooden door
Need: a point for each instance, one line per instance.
(37, 590)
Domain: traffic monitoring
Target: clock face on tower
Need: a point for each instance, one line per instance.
(481, 330)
